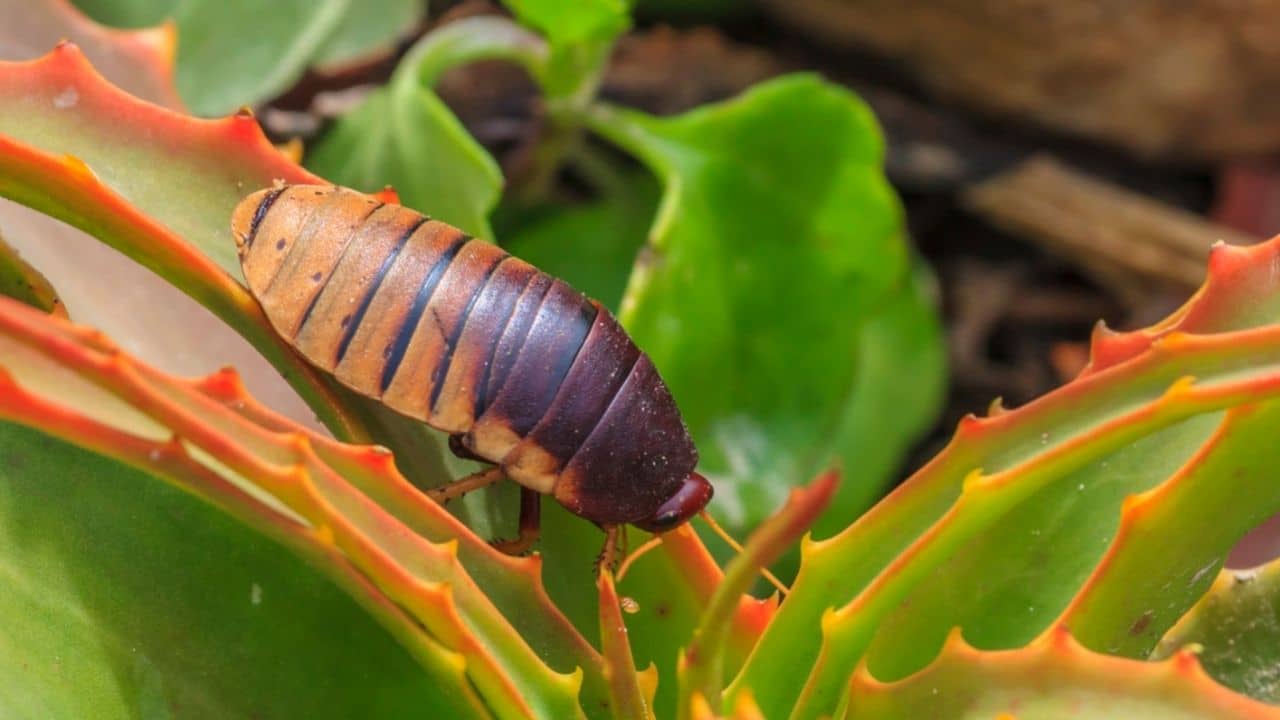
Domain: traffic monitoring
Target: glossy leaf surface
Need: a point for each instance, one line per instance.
(777, 231)
(1235, 631)
(218, 71)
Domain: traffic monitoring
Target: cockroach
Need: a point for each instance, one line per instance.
(520, 369)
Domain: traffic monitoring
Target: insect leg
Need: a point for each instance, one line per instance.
(458, 488)
(530, 524)
(608, 557)
(459, 449)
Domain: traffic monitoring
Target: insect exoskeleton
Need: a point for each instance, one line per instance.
(522, 370)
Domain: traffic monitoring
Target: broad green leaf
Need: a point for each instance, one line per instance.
(570, 22)
(370, 29)
(126, 598)
(902, 339)
(591, 246)
(1235, 631)
(777, 239)
(220, 68)
(1052, 679)
(403, 135)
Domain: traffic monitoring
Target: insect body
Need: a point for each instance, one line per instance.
(520, 369)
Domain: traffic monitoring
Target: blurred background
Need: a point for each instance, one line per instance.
(1059, 163)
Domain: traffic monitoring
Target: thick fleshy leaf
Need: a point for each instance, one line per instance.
(323, 500)
(777, 239)
(25, 284)
(160, 186)
(1052, 678)
(404, 135)
(129, 599)
(702, 670)
(1235, 632)
(141, 59)
(630, 701)
(1000, 532)
(1171, 539)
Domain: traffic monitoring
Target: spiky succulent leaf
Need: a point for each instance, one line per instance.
(125, 598)
(142, 59)
(1001, 532)
(702, 669)
(159, 186)
(1234, 630)
(1053, 677)
(287, 482)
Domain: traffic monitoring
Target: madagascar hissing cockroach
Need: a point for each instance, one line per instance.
(519, 368)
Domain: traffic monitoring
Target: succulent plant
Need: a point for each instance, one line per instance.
(175, 548)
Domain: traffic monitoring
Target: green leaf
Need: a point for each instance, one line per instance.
(592, 246)
(1150, 400)
(220, 68)
(777, 239)
(569, 22)
(125, 598)
(444, 593)
(1046, 549)
(881, 417)
(1235, 629)
(128, 13)
(370, 28)
(405, 136)
(1054, 677)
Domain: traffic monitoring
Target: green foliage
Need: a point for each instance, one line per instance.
(126, 598)
(1052, 677)
(1235, 631)
(761, 260)
(716, 299)
(405, 136)
(572, 22)
(782, 183)
(222, 67)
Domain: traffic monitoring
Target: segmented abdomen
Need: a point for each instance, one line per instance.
(454, 331)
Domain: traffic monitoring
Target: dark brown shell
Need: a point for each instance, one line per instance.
(455, 332)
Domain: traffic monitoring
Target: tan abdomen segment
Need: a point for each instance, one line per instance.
(455, 332)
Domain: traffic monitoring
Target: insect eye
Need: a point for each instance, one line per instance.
(665, 521)
(684, 504)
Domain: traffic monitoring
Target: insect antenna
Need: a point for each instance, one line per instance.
(654, 541)
(737, 547)
(630, 559)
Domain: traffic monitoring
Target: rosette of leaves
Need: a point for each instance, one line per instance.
(175, 548)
